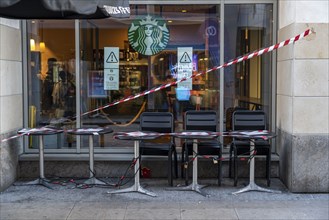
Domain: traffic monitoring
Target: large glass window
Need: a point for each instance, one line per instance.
(194, 27)
(247, 85)
(56, 87)
(51, 77)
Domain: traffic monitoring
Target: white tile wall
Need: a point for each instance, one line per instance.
(311, 115)
(284, 113)
(10, 23)
(10, 78)
(305, 11)
(11, 117)
(287, 52)
(315, 46)
(287, 12)
(303, 80)
(311, 77)
(284, 77)
(312, 11)
(10, 41)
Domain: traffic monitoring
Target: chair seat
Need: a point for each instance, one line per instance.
(205, 147)
(259, 151)
(243, 147)
(252, 121)
(205, 120)
(161, 122)
(261, 143)
(158, 149)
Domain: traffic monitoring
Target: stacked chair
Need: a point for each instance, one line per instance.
(162, 122)
(248, 120)
(201, 121)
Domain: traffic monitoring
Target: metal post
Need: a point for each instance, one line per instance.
(41, 157)
(91, 156)
(195, 163)
(136, 145)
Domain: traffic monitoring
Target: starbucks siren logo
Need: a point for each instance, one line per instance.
(148, 35)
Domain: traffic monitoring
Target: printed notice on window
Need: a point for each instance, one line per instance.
(111, 68)
(111, 79)
(185, 67)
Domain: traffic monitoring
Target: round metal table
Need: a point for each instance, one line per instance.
(252, 136)
(91, 132)
(40, 132)
(195, 136)
(136, 137)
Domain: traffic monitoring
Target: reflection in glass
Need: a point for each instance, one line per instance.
(52, 76)
(51, 79)
(198, 28)
(247, 85)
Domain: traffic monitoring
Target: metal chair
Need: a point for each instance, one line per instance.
(201, 121)
(161, 122)
(249, 120)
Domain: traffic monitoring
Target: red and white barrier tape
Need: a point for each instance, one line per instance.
(12, 137)
(236, 60)
(28, 131)
(259, 134)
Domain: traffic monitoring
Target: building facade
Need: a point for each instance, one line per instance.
(52, 70)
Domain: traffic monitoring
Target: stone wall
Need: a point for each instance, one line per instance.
(11, 99)
(303, 96)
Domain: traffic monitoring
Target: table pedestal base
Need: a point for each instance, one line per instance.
(192, 187)
(94, 181)
(40, 181)
(134, 188)
(252, 186)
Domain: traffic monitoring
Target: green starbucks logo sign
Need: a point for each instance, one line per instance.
(148, 35)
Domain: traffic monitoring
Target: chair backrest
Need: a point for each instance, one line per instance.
(229, 115)
(201, 120)
(248, 120)
(157, 121)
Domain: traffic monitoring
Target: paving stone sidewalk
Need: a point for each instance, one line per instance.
(69, 202)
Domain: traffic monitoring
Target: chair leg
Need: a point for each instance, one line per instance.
(230, 163)
(182, 169)
(175, 164)
(140, 165)
(170, 177)
(220, 168)
(186, 166)
(235, 169)
(268, 167)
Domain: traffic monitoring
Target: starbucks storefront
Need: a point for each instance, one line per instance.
(76, 67)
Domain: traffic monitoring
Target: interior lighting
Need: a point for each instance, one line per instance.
(32, 44)
(184, 11)
(42, 44)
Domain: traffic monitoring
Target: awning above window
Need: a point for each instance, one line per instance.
(64, 9)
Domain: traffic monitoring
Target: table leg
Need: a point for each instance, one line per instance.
(252, 186)
(194, 186)
(136, 187)
(41, 180)
(92, 179)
